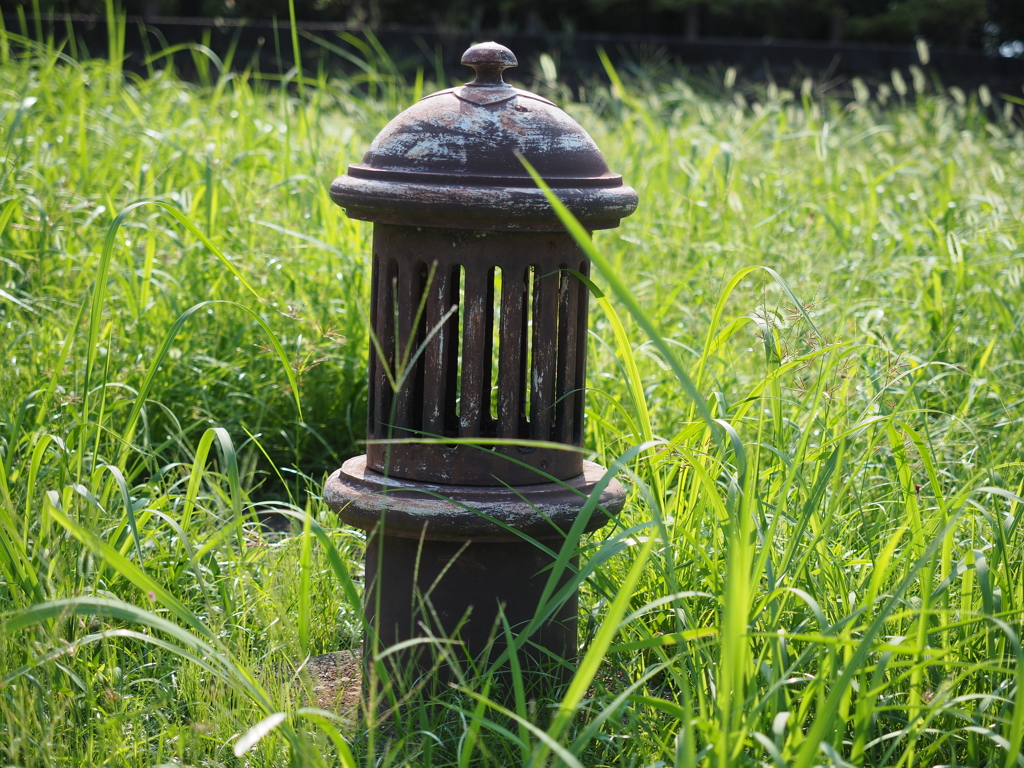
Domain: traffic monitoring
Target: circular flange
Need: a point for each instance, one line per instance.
(367, 499)
(503, 208)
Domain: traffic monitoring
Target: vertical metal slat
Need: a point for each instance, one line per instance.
(511, 357)
(582, 306)
(372, 424)
(435, 355)
(407, 303)
(386, 339)
(451, 395)
(568, 317)
(474, 345)
(545, 320)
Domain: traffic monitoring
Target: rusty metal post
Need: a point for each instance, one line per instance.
(480, 334)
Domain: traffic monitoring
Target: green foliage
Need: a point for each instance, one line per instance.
(76, 158)
(822, 557)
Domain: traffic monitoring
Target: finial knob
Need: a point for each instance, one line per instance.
(489, 60)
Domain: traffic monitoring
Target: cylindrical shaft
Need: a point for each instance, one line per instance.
(418, 588)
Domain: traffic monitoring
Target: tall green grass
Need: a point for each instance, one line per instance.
(806, 361)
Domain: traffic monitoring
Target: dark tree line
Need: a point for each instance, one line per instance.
(958, 23)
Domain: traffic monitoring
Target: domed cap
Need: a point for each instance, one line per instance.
(451, 161)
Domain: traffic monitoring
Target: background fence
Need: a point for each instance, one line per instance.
(977, 24)
(266, 46)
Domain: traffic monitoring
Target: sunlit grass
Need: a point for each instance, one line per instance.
(821, 559)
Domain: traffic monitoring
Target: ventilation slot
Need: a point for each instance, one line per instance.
(496, 330)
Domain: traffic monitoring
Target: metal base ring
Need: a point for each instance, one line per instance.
(408, 508)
